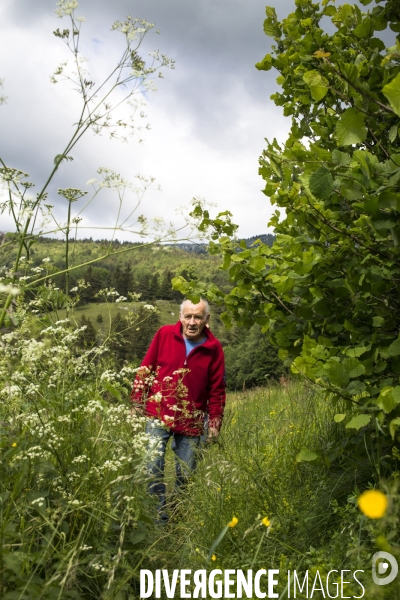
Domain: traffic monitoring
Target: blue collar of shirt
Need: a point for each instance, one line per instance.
(190, 345)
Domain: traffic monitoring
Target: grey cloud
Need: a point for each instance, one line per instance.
(215, 91)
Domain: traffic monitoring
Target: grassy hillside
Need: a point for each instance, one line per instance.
(169, 312)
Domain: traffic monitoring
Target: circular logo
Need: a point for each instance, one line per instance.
(381, 561)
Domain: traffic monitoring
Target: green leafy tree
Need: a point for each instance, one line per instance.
(253, 361)
(131, 335)
(327, 291)
(87, 337)
(147, 324)
(123, 280)
(97, 279)
(166, 285)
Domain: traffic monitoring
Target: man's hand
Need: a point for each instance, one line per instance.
(212, 435)
(137, 410)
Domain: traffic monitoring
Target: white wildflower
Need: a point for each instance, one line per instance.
(38, 501)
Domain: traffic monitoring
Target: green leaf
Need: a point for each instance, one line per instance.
(394, 348)
(396, 394)
(358, 422)
(265, 64)
(338, 374)
(354, 367)
(339, 418)
(341, 158)
(393, 133)
(112, 390)
(393, 426)
(350, 128)
(386, 401)
(355, 387)
(358, 351)
(329, 11)
(364, 28)
(271, 28)
(257, 263)
(217, 541)
(317, 84)
(389, 201)
(321, 183)
(306, 455)
(392, 92)
(318, 92)
(377, 321)
(384, 223)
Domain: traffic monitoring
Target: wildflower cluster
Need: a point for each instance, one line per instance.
(75, 458)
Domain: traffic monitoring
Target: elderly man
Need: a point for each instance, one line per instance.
(183, 378)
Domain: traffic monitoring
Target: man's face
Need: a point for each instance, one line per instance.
(193, 318)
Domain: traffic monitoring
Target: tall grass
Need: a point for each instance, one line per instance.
(256, 471)
(76, 520)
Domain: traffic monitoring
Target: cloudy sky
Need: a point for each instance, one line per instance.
(208, 118)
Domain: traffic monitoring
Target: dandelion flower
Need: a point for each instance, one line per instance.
(373, 504)
(266, 522)
(233, 523)
(14, 445)
(213, 557)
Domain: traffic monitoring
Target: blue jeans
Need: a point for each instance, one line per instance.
(185, 449)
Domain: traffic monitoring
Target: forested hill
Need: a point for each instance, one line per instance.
(147, 270)
(265, 238)
(144, 269)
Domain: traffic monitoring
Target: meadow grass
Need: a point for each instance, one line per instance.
(169, 312)
(76, 521)
(255, 472)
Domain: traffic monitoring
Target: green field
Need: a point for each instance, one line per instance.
(169, 312)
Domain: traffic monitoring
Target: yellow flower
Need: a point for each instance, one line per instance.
(213, 557)
(266, 522)
(373, 504)
(321, 54)
(233, 523)
(14, 445)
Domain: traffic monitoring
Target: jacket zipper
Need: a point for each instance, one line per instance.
(190, 353)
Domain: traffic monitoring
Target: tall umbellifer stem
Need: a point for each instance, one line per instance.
(67, 259)
(99, 102)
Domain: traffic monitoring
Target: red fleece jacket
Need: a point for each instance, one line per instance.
(182, 407)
